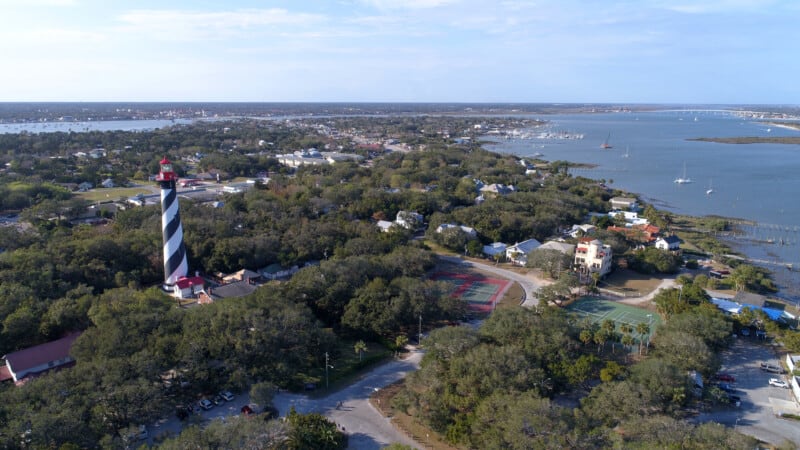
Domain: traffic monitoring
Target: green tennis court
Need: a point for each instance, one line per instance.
(599, 310)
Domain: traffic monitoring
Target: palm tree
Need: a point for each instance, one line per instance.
(586, 336)
(600, 337)
(400, 341)
(360, 347)
(642, 328)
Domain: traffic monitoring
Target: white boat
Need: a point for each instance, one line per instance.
(710, 189)
(627, 153)
(684, 179)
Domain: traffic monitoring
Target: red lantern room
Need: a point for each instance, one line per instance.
(166, 173)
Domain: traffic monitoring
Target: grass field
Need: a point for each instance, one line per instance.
(99, 195)
(599, 310)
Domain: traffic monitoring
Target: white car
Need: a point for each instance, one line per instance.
(227, 396)
(778, 383)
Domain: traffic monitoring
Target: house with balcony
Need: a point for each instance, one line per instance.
(592, 256)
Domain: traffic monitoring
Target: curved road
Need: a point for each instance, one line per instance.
(365, 425)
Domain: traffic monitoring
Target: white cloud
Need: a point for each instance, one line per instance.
(408, 4)
(715, 6)
(193, 25)
(19, 3)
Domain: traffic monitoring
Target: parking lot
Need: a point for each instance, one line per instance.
(761, 403)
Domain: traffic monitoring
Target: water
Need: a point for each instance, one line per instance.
(756, 182)
(100, 125)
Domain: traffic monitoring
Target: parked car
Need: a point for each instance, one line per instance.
(205, 404)
(745, 332)
(771, 368)
(218, 400)
(725, 377)
(727, 387)
(183, 412)
(227, 395)
(735, 400)
(778, 383)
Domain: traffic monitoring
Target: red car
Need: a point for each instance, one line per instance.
(725, 377)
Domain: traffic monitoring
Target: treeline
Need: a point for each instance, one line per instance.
(503, 385)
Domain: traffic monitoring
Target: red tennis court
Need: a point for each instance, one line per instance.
(478, 291)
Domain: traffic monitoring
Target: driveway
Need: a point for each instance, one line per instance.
(529, 283)
(761, 403)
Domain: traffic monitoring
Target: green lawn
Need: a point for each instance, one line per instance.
(100, 195)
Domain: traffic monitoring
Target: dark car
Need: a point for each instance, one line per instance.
(735, 400)
(727, 387)
(725, 377)
(218, 400)
(182, 412)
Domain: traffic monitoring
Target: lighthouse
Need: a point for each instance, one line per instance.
(175, 265)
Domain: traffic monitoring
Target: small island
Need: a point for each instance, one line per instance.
(750, 140)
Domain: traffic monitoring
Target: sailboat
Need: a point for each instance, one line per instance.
(684, 179)
(710, 189)
(627, 153)
(605, 144)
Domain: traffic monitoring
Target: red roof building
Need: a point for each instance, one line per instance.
(38, 359)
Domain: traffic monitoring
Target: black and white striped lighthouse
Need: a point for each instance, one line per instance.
(175, 265)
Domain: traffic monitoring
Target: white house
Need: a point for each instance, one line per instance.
(630, 217)
(518, 253)
(669, 243)
(496, 189)
(592, 256)
(188, 287)
(385, 225)
(494, 248)
(410, 220)
(41, 358)
(582, 230)
(562, 247)
(468, 230)
(108, 183)
(628, 203)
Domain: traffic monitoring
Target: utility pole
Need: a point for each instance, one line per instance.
(326, 370)
(419, 337)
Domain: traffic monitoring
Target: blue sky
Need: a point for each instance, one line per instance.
(664, 51)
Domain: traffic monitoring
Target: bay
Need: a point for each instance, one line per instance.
(755, 182)
(92, 125)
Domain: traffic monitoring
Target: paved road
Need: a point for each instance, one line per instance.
(366, 427)
(757, 416)
(529, 283)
